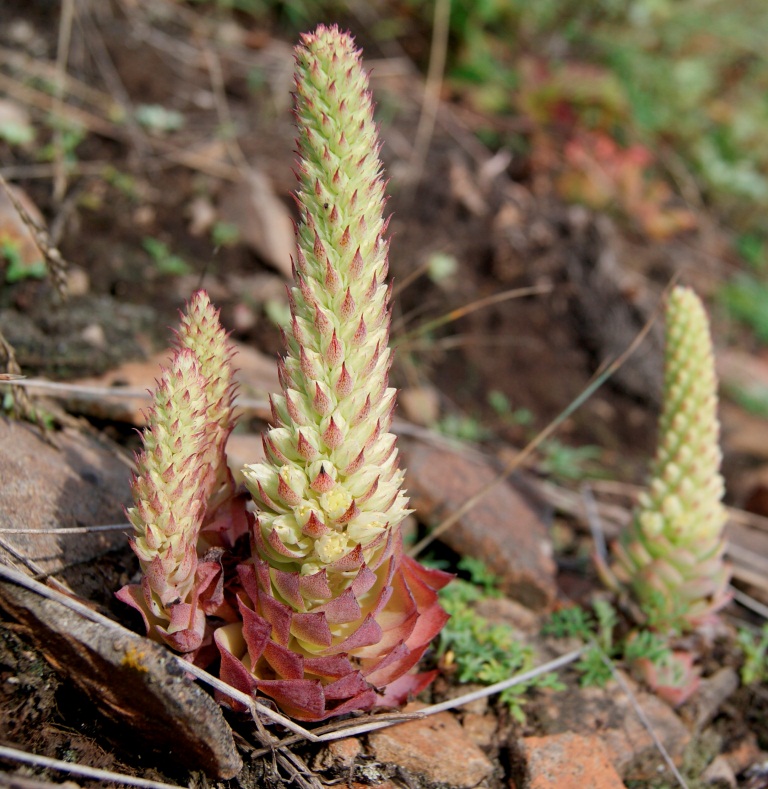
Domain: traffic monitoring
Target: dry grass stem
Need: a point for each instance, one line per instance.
(467, 309)
(57, 266)
(62, 56)
(70, 529)
(94, 773)
(749, 602)
(429, 109)
(642, 716)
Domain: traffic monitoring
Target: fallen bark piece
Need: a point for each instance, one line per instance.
(568, 761)
(502, 529)
(436, 748)
(133, 681)
(609, 710)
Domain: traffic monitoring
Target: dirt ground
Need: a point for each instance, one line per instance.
(143, 218)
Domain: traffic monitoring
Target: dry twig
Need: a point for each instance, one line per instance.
(94, 773)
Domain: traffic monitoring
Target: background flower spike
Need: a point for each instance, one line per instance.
(671, 557)
(347, 633)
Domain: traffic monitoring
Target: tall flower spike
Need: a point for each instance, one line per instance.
(334, 615)
(671, 558)
(182, 479)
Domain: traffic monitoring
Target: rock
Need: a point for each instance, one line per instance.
(568, 761)
(436, 748)
(338, 754)
(709, 697)
(420, 404)
(719, 774)
(384, 785)
(502, 610)
(502, 529)
(78, 482)
(134, 682)
(744, 753)
(609, 711)
(481, 729)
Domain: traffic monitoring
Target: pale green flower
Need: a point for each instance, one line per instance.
(672, 555)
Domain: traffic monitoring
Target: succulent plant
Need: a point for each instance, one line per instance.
(334, 616)
(326, 614)
(182, 480)
(671, 558)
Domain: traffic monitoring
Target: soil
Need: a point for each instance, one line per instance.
(598, 282)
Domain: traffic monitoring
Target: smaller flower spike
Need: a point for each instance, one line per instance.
(182, 478)
(671, 558)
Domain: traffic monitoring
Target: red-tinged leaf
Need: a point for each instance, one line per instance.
(184, 616)
(355, 465)
(152, 606)
(342, 609)
(133, 595)
(396, 634)
(209, 584)
(332, 667)
(155, 574)
(385, 668)
(351, 512)
(286, 663)
(385, 593)
(312, 628)
(364, 581)
(368, 633)
(279, 616)
(272, 452)
(256, 632)
(332, 436)
(287, 584)
(279, 546)
(363, 701)
(348, 307)
(424, 595)
(350, 561)
(287, 493)
(235, 674)
(267, 501)
(263, 575)
(321, 402)
(334, 351)
(188, 639)
(302, 700)
(344, 383)
(314, 527)
(323, 482)
(230, 521)
(409, 685)
(347, 687)
(368, 493)
(393, 671)
(428, 625)
(315, 586)
(247, 574)
(430, 576)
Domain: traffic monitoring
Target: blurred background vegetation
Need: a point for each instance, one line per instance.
(655, 109)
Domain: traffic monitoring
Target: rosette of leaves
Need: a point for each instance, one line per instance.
(671, 558)
(334, 615)
(182, 485)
